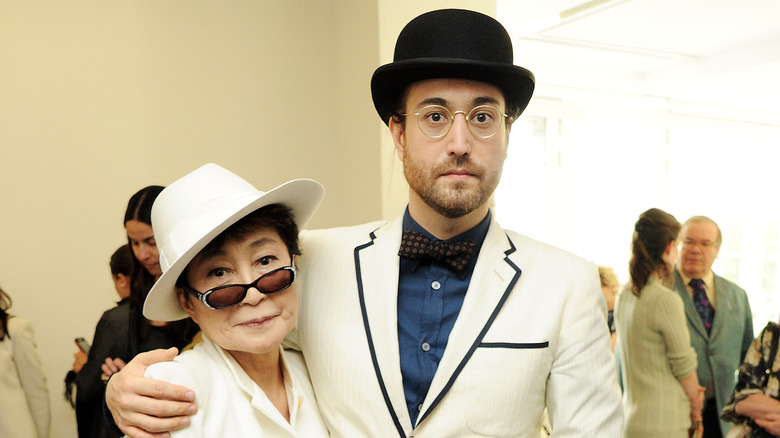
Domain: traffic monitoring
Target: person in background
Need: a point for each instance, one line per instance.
(120, 264)
(228, 255)
(79, 359)
(439, 322)
(661, 393)
(719, 318)
(109, 340)
(24, 396)
(144, 334)
(609, 287)
(123, 331)
(755, 405)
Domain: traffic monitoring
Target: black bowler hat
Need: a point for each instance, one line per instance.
(452, 43)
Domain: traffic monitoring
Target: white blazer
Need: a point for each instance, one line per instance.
(532, 332)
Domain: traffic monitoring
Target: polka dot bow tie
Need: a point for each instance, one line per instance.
(454, 254)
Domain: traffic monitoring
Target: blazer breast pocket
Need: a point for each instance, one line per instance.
(516, 374)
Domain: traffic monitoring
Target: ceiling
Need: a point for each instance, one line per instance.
(715, 52)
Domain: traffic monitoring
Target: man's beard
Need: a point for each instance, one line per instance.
(456, 199)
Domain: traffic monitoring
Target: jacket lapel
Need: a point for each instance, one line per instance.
(724, 306)
(377, 264)
(493, 278)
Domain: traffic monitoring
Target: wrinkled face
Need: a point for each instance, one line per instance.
(455, 174)
(259, 323)
(144, 246)
(699, 248)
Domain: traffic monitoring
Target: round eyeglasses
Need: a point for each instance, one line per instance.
(222, 297)
(435, 121)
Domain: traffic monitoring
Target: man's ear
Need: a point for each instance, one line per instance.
(398, 132)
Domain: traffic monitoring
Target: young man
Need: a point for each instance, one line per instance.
(475, 338)
(722, 336)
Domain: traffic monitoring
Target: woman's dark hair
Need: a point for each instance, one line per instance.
(5, 304)
(652, 234)
(277, 217)
(139, 208)
(121, 261)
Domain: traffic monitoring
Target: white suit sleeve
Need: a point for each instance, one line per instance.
(583, 397)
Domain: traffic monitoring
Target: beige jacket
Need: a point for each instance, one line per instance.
(24, 396)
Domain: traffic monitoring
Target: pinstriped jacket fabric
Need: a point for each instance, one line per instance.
(531, 333)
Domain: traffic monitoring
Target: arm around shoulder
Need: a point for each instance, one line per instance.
(141, 406)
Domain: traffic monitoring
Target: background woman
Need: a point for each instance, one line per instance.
(122, 331)
(756, 403)
(661, 394)
(24, 397)
(145, 334)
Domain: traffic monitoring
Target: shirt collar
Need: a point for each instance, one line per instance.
(258, 397)
(708, 279)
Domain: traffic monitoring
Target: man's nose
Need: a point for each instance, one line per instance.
(460, 136)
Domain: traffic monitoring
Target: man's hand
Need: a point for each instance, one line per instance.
(146, 408)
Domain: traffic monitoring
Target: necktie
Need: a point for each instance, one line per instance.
(454, 254)
(702, 303)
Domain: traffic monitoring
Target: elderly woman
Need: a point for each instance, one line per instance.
(227, 252)
(662, 396)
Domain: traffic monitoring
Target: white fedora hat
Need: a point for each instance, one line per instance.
(196, 208)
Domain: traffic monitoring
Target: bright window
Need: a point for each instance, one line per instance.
(578, 175)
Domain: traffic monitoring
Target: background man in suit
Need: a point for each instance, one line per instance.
(719, 318)
(474, 337)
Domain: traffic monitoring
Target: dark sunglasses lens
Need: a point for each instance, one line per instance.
(226, 297)
(275, 281)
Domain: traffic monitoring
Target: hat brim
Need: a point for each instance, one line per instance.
(303, 196)
(390, 80)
